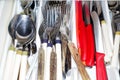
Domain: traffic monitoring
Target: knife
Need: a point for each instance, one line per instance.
(89, 36)
(105, 10)
(100, 67)
(106, 41)
(80, 32)
(115, 60)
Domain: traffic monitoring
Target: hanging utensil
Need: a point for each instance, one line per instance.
(75, 54)
(97, 32)
(42, 55)
(22, 28)
(105, 10)
(80, 32)
(49, 48)
(67, 25)
(99, 48)
(9, 64)
(64, 31)
(23, 65)
(47, 66)
(53, 65)
(100, 67)
(106, 41)
(30, 8)
(115, 60)
(59, 58)
(114, 6)
(41, 63)
(17, 64)
(89, 36)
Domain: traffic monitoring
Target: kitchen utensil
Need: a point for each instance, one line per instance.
(23, 65)
(99, 48)
(89, 35)
(59, 58)
(80, 32)
(76, 57)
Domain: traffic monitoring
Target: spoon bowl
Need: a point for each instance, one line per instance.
(22, 28)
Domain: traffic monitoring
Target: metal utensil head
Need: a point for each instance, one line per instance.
(86, 13)
(22, 28)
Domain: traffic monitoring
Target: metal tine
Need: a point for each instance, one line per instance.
(47, 10)
(53, 13)
(54, 10)
(51, 9)
(54, 17)
(45, 23)
(60, 11)
(50, 16)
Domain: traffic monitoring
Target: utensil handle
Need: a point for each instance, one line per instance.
(12, 65)
(23, 66)
(90, 46)
(44, 45)
(41, 63)
(53, 65)
(8, 63)
(47, 65)
(76, 57)
(106, 14)
(97, 32)
(17, 64)
(59, 61)
(100, 67)
(106, 41)
(115, 60)
(80, 32)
